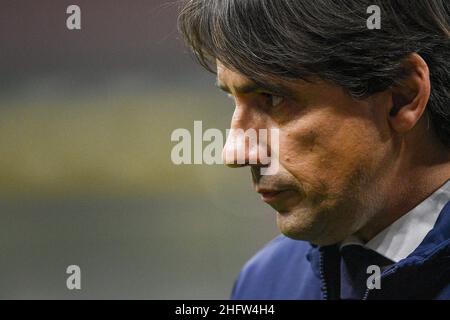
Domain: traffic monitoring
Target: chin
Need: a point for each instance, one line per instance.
(312, 230)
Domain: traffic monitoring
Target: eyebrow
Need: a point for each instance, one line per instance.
(252, 87)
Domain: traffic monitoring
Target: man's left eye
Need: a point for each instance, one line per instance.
(273, 100)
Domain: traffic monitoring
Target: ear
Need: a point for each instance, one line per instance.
(411, 95)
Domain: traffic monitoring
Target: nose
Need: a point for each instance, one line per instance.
(247, 142)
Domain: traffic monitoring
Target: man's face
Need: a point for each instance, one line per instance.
(333, 153)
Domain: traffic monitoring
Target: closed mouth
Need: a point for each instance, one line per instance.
(272, 196)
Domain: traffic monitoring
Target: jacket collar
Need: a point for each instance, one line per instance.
(430, 258)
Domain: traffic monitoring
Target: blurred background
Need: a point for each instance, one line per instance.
(86, 176)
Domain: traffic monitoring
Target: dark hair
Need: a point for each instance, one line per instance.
(298, 39)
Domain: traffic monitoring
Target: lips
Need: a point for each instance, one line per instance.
(269, 194)
(273, 196)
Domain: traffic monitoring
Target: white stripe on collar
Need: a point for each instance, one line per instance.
(402, 237)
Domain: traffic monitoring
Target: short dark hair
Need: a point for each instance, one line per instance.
(300, 39)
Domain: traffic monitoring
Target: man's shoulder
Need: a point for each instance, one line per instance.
(280, 270)
(279, 249)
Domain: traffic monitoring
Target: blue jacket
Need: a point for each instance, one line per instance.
(289, 269)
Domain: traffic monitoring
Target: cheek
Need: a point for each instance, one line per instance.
(324, 155)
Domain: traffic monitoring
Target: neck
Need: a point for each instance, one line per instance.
(412, 179)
